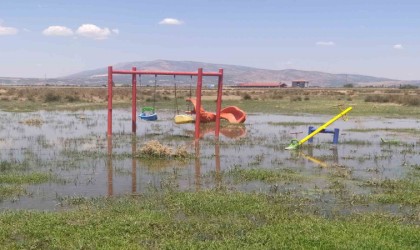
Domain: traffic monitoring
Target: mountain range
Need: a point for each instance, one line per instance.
(233, 74)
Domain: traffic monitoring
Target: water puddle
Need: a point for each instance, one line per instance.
(73, 147)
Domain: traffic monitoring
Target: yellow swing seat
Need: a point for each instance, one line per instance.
(181, 119)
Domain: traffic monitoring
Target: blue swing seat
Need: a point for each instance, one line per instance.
(148, 114)
(148, 117)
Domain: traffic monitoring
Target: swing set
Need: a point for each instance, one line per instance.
(149, 113)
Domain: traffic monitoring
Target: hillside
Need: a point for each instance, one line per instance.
(233, 74)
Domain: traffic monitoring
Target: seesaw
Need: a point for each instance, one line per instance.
(295, 143)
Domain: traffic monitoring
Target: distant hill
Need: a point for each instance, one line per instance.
(233, 74)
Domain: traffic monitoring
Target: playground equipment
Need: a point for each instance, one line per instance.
(295, 143)
(149, 113)
(134, 72)
(232, 114)
(335, 133)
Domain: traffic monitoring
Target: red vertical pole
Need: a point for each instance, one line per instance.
(198, 98)
(109, 101)
(219, 102)
(133, 101)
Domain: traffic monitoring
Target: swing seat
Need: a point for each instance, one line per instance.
(148, 114)
(182, 119)
(148, 117)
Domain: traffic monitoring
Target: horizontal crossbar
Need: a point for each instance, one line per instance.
(177, 73)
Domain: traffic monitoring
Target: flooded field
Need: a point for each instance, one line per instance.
(50, 160)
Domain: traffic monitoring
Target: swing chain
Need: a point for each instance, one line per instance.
(189, 103)
(176, 98)
(154, 95)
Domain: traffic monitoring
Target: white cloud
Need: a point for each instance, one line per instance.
(171, 21)
(93, 31)
(398, 46)
(323, 43)
(7, 31)
(57, 31)
(116, 31)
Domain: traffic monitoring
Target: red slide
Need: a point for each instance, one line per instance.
(232, 114)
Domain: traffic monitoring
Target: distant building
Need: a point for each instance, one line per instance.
(300, 84)
(262, 85)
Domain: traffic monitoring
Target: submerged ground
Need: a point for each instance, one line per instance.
(64, 184)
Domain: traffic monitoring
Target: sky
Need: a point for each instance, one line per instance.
(54, 38)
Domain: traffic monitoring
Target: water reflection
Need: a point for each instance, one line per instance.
(109, 167)
(134, 165)
(160, 165)
(310, 156)
(197, 165)
(217, 158)
(232, 131)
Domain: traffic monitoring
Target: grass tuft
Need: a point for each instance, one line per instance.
(154, 149)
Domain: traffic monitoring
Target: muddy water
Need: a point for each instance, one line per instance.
(73, 147)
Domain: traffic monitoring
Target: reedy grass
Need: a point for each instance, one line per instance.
(401, 191)
(10, 191)
(13, 183)
(206, 219)
(396, 130)
(292, 124)
(30, 178)
(321, 101)
(265, 175)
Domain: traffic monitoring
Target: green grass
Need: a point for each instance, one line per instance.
(32, 178)
(265, 175)
(10, 191)
(325, 105)
(217, 218)
(396, 130)
(292, 124)
(13, 184)
(317, 104)
(208, 219)
(402, 191)
(357, 142)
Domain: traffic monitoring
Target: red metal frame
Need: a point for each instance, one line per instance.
(134, 72)
(133, 102)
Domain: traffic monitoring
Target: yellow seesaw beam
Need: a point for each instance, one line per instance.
(324, 126)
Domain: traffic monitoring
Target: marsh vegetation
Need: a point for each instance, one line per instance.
(64, 184)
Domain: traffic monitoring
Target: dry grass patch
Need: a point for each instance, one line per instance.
(33, 122)
(154, 149)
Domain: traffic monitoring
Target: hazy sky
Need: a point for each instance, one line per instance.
(56, 38)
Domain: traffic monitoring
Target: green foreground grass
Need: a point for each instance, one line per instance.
(206, 219)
